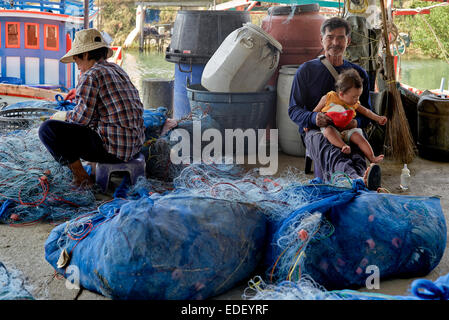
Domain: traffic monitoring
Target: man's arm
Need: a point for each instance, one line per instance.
(320, 104)
(298, 111)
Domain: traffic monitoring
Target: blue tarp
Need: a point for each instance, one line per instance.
(403, 236)
(163, 247)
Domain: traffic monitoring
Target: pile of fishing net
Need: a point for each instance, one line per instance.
(11, 286)
(58, 104)
(171, 152)
(209, 228)
(307, 289)
(343, 234)
(33, 186)
(171, 246)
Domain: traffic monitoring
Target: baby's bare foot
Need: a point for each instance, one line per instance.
(346, 149)
(377, 159)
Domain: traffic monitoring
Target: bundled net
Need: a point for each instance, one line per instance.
(275, 197)
(33, 186)
(161, 246)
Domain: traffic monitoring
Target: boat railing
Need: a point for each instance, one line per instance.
(69, 7)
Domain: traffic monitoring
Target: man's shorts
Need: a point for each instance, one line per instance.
(345, 134)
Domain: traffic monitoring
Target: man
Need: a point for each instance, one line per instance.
(106, 125)
(312, 81)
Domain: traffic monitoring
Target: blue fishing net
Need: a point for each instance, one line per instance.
(342, 231)
(307, 289)
(169, 246)
(11, 286)
(160, 165)
(33, 186)
(321, 237)
(58, 104)
(153, 120)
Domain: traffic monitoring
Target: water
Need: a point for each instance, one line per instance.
(424, 73)
(146, 65)
(419, 73)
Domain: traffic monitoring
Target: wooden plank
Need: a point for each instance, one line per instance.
(25, 91)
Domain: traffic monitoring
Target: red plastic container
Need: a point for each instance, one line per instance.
(297, 28)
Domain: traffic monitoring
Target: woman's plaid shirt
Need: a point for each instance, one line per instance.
(107, 101)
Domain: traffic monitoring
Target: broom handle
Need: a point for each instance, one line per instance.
(385, 34)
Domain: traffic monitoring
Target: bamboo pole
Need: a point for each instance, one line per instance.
(398, 138)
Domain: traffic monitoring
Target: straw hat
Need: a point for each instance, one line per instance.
(86, 40)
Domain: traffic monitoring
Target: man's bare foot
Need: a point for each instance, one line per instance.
(87, 183)
(80, 177)
(346, 149)
(377, 159)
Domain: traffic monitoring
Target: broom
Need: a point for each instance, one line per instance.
(398, 139)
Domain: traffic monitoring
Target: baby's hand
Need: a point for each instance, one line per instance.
(382, 120)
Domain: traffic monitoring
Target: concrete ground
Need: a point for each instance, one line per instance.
(22, 248)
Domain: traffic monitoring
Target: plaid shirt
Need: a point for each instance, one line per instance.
(107, 101)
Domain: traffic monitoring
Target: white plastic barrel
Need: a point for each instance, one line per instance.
(244, 62)
(288, 131)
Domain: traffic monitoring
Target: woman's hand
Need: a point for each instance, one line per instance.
(70, 95)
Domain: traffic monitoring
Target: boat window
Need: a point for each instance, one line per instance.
(51, 37)
(12, 35)
(31, 36)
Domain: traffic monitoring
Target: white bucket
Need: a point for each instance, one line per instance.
(288, 131)
(244, 62)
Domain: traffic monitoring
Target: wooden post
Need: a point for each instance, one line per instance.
(158, 93)
(142, 23)
(86, 14)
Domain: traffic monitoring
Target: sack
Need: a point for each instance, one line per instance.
(352, 232)
(163, 247)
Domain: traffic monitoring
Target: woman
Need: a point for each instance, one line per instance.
(106, 125)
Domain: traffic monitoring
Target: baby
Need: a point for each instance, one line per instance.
(341, 106)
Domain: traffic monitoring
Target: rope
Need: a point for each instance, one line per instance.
(426, 289)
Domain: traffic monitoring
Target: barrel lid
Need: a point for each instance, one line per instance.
(286, 10)
(289, 69)
(264, 34)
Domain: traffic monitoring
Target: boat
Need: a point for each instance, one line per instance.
(14, 93)
(36, 34)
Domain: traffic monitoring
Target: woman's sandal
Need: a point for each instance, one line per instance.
(372, 177)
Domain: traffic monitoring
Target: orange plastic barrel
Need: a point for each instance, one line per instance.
(297, 28)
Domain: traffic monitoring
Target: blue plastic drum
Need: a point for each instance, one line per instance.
(184, 72)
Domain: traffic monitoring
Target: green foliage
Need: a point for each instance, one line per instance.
(118, 19)
(423, 40)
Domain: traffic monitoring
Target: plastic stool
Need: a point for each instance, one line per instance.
(135, 168)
